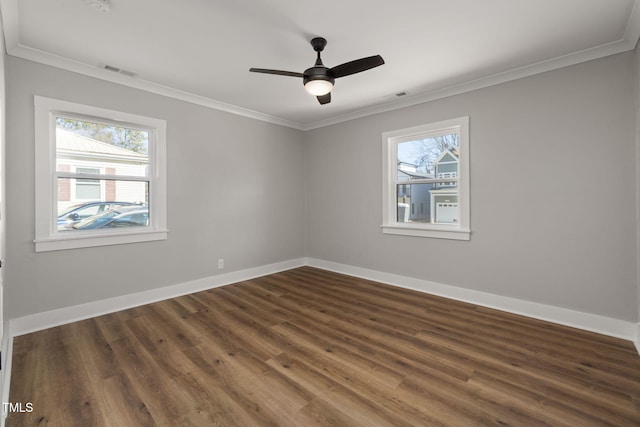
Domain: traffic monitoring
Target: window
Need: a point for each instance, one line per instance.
(100, 176)
(86, 189)
(427, 167)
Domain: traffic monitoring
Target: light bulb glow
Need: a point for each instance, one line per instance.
(318, 87)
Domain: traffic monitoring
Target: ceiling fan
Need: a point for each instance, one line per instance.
(319, 80)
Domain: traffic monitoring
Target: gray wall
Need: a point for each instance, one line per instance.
(236, 191)
(553, 190)
(553, 187)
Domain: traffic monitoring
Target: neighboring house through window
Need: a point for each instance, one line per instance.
(98, 162)
(426, 180)
(88, 189)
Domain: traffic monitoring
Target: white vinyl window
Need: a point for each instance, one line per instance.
(426, 180)
(100, 176)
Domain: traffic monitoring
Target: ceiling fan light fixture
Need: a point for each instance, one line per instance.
(318, 80)
(318, 87)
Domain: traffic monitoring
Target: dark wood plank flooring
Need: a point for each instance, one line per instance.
(307, 347)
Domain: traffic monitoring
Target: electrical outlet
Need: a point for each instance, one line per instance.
(220, 264)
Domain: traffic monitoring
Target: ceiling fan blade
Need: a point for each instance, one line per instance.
(277, 72)
(357, 66)
(324, 99)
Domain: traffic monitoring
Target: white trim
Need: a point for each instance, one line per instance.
(7, 359)
(586, 321)
(156, 88)
(586, 55)
(10, 23)
(390, 141)
(632, 31)
(563, 316)
(148, 86)
(92, 240)
(425, 231)
(635, 23)
(47, 236)
(38, 321)
(6, 343)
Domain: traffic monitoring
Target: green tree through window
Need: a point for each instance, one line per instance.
(123, 137)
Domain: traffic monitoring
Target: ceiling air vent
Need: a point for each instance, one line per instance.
(396, 95)
(119, 70)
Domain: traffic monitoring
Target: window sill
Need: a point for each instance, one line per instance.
(92, 240)
(436, 232)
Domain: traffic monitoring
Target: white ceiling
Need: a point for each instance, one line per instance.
(201, 50)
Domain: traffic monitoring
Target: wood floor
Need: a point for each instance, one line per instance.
(307, 347)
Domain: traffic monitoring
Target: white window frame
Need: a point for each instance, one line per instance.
(390, 140)
(47, 237)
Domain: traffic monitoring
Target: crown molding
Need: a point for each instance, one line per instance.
(9, 12)
(484, 82)
(632, 32)
(137, 83)
(9, 15)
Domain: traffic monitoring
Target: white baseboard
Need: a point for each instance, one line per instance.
(26, 324)
(7, 357)
(590, 322)
(39, 321)
(36, 322)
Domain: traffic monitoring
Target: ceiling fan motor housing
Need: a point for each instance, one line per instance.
(318, 73)
(318, 43)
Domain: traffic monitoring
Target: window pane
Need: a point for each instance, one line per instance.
(138, 219)
(88, 147)
(435, 157)
(427, 203)
(428, 157)
(414, 204)
(75, 208)
(426, 180)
